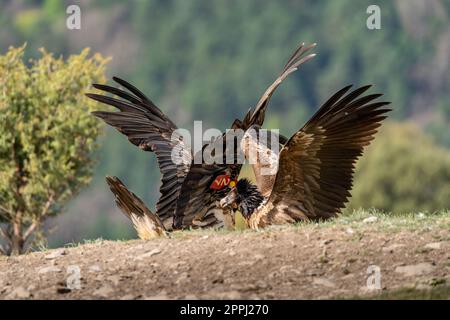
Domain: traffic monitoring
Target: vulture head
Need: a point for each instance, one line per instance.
(244, 197)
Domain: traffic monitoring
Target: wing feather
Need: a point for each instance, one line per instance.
(147, 127)
(317, 164)
(256, 115)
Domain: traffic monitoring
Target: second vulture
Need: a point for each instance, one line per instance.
(313, 172)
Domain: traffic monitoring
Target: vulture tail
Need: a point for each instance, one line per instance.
(147, 224)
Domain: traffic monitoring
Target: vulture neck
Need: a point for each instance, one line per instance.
(264, 161)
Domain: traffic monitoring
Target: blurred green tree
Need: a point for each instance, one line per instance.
(47, 137)
(403, 171)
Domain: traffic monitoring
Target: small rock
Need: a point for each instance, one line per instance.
(421, 215)
(415, 270)
(433, 246)
(348, 276)
(48, 269)
(148, 254)
(20, 293)
(104, 291)
(95, 268)
(31, 287)
(231, 253)
(160, 296)
(370, 219)
(324, 282)
(55, 254)
(182, 278)
(349, 231)
(259, 256)
(229, 295)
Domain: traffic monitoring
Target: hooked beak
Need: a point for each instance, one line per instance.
(229, 200)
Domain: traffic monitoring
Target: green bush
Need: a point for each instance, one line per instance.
(47, 137)
(403, 171)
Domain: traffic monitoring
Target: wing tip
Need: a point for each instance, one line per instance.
(117, 79)
(99, 114)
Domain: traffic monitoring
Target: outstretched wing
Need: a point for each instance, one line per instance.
(256, 115)
(316, 165)
(147, 127)
(196, 197)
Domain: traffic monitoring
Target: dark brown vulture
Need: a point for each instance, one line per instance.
(187, 196)
(315, 166)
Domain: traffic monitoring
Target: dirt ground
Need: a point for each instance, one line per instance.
(307, 261)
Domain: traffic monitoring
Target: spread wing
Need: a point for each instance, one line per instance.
(147, 127)
(316, 165)
(196, 197)
(256, 115)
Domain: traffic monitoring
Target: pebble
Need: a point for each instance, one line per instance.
(95, 268)
(433, 246)
(415, 270)
(160, 296)
(48, 269)
(370, 219)
(324, 282)
(20, 293)
(55, 254)
(148, 254)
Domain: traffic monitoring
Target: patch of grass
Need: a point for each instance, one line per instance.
(387, 222)
(42, 247)
(86, 241)
(438, 292)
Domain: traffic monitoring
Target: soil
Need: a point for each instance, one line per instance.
(309, 261)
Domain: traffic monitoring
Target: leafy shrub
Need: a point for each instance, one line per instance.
(47, 137)
(403, 171)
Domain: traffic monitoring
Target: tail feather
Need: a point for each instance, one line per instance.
(147, 224)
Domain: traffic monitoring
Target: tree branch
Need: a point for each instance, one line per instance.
(42, 216)
(7, 213)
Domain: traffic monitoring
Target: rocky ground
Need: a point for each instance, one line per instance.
(336, 259)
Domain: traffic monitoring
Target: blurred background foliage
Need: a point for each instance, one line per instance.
(47, 139)
(403, 171)
(211, 60)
